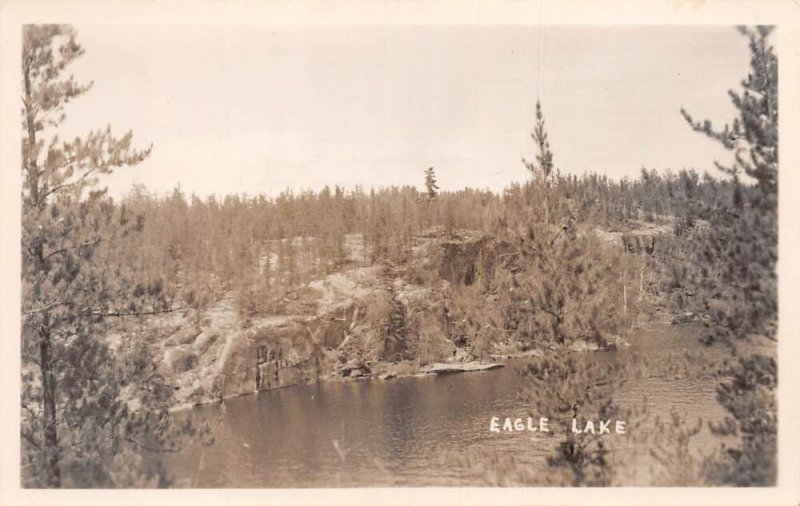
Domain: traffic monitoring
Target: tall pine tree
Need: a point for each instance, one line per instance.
(89, 405)
(430, 183)
(728, 270)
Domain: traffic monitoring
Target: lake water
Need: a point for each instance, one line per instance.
(414, 431)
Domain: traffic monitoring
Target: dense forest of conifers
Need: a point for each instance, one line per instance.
(214, 244)
(88, 259)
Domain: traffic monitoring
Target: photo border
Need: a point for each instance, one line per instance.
(785, 14)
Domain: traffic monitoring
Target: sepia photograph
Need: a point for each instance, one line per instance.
(352, 255)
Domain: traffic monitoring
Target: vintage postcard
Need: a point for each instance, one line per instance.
(408, 253)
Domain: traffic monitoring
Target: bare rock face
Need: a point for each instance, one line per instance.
(204, 340)
(287, 337)
(644, 238)
(465, 257)
(234, 371)
(330, 330)
(461, 260)
(274, 352)
(180, 359)
(335, 326)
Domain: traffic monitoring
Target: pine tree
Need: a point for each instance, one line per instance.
(753, 136)
(88, 408)
(544, 157)
(728, 269)
(542, 169)
(430, 183)
(554, 288)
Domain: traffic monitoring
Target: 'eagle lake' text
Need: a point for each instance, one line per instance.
(599, 427)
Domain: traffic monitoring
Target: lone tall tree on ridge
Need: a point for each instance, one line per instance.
(542, 168)
(430, 183)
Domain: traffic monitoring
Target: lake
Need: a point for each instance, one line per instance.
(415, 431)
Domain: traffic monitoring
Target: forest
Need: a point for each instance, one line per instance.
(562, 259)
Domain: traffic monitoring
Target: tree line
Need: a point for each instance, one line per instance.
(211, 245)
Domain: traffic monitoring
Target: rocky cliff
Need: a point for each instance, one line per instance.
(374, 320)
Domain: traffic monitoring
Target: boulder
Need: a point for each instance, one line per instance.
(448, 368)
(355, 369)
(581, 345)
(180, 359)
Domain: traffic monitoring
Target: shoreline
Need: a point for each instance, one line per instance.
(391, 371)
(385, 371)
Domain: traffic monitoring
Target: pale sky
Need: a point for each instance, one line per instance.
(258, 109)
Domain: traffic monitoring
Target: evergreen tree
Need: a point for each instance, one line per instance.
(430, 183)
(89, 406)
(543, 167)
(727, 271)
(753, 136)
(554, 289)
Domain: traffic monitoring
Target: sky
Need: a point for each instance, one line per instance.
(260, 109)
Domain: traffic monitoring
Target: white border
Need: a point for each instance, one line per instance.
(784, 13)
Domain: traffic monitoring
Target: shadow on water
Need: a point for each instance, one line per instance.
(399, 432)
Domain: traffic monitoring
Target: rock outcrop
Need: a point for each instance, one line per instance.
(449, 368)
(341, 325)
(180, 359)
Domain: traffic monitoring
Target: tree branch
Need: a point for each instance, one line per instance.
(139, 313)
(67, 185)
(64, 250)
(44, 308)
